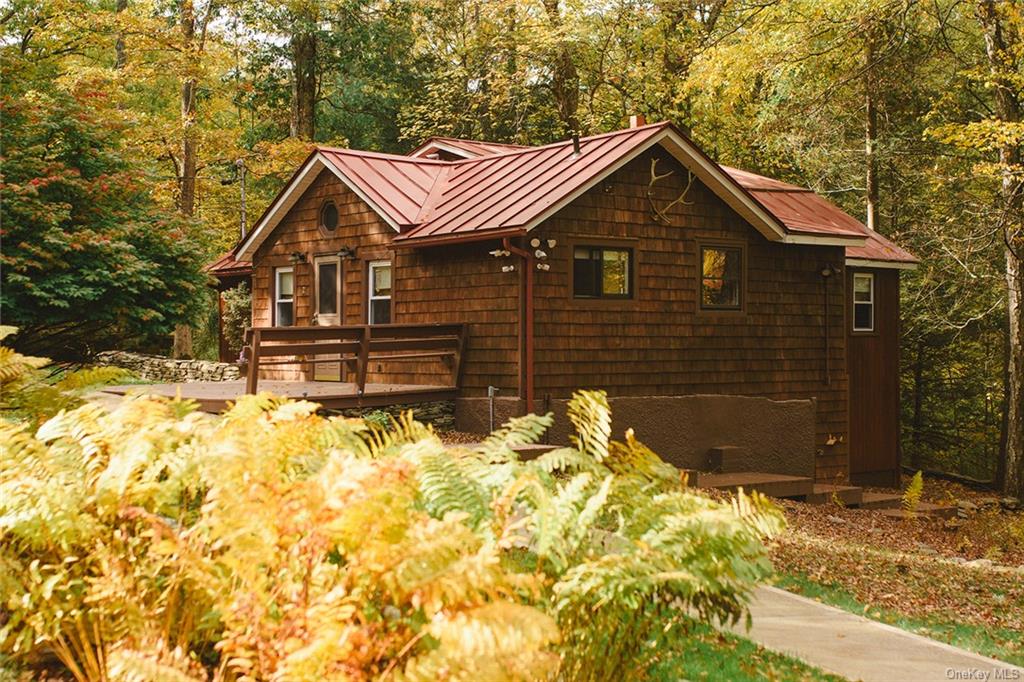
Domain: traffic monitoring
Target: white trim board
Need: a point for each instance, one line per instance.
(881, 264)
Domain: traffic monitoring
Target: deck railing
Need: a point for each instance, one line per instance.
(354, 346)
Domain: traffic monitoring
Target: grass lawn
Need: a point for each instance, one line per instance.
(996, 642)
(708, 654)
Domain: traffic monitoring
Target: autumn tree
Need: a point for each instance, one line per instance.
(89, 260)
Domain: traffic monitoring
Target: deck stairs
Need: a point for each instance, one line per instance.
(726, 476)
(800, 488)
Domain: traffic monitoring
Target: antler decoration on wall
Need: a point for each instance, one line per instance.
(661, 214)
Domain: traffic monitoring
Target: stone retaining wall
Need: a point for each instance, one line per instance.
(159, 368)
(441, 413)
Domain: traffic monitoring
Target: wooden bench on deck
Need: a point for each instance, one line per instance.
(355, 346)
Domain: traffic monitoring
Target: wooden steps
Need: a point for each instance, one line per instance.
(881, 501)
(923, 509)
(825, 493)
(773, 485)
(805, 489)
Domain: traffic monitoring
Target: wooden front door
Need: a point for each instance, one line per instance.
(327, 307)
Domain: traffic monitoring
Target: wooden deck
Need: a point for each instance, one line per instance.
(214, 396)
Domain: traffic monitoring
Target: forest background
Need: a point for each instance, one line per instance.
(131, 126)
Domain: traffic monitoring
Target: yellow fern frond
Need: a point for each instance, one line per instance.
(912, 493)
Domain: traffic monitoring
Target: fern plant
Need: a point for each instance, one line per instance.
(912, 494)
(28, 393)
(154, 542)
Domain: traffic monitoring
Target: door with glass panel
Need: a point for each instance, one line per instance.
(327, 308)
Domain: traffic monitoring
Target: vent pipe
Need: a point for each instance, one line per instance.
(575, 144)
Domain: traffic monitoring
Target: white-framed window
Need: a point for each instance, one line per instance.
(863, 302)
(284, 297)
(379, 303)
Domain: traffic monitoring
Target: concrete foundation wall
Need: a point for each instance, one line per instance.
(777, 434)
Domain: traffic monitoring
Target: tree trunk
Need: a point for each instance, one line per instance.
(304, 85)
(189, 152)
(1013, 462)
(1001, 44)
(565, 79)
(915, 455)
(870, 136)
(119, 55)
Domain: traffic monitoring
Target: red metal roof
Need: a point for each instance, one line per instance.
(505, 189)
(801, 210)
(466, 148)
(397, 185)
(227, 266)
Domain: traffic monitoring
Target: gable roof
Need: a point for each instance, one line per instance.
(800, 208)
(499, 190)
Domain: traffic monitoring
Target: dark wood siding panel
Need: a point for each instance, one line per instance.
(661, 343)
(874, 384)
(465, 284)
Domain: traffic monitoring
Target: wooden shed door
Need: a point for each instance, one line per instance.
(327, 292)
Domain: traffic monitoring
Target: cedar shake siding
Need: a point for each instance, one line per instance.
(660, 342)
(450, 284)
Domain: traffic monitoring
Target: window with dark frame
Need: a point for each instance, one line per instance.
(284, 297)
(602, 272)
(329, 216)
(721, 285)
(863, 302)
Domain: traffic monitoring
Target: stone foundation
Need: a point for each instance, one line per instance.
(441, 413)
(166, 370)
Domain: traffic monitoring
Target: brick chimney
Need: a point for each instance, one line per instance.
(637, 120)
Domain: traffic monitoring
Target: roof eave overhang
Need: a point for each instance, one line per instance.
(880, 264)
(295, 188)
(825, 240)
(458, 238)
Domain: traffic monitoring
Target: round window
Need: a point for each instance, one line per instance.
(329, 216)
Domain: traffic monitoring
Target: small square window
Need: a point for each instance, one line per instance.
(721, 278)
(863, 302)
(602, 272)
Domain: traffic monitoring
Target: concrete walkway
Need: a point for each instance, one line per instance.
(858, 648)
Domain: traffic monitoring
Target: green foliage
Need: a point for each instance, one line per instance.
(88, 257)
(912, 493)
(155, 542)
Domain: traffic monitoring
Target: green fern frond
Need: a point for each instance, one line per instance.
(564, 460)
(524, 430)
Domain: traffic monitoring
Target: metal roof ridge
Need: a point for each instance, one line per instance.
(561, 143)
(384, 156)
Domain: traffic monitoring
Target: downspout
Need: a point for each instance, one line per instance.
(526, 314)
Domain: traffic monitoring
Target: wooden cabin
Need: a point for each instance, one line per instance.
(628, 261)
